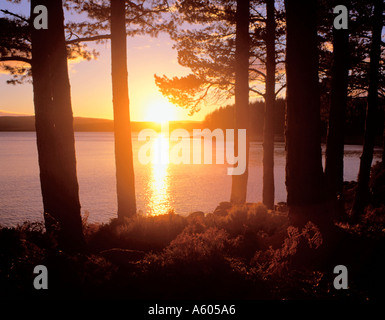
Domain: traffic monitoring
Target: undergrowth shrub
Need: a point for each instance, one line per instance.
(254, 227)
(243, 231)
(139, 232)
(248, 218)
(193, 253)
(275, 262)
(254, 219)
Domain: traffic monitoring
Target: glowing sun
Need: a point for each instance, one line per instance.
(160, 111)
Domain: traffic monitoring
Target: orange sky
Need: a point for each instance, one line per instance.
(91, 83)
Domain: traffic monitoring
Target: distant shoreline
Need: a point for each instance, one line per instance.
(81, 124)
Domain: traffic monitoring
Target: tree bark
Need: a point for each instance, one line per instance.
(362, 195)
(268, 131)
(125, 180)
(383, 142)
(242, 44)
(304, 173)
(54, 128)
(334, 165)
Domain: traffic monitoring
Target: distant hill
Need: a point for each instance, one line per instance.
(27, 123)
(12, 114)
(23, 123)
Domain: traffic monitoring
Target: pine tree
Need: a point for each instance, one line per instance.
(268, 132)
(304, 173)
(125, 179)
(210, 54)
(362, 195)
(43, 55)
(242, 53)
(54, 127)
(122, 18)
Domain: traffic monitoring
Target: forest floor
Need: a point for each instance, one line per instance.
(244, 252)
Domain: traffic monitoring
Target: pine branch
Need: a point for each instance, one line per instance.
(15, 15)
(258, 72)
(280, 89)
(16, 58)
(88, 39)
(257, 92)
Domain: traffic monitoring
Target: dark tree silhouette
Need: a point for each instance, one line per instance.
(122, 18)
(383, 143)
(44, 54)
(54, 127)
(125, 179)
(304, 173)
(362, 195)
(242, 49)
(268, 132)
(210, 52)
(139, 18)
(334, 165)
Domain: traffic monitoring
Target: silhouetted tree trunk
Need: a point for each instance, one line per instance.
(125, 180)
(383, 142)
(268, 131)
(362, 195)
(54, 128)
(304, 173)
(239, 182)
(334, 166)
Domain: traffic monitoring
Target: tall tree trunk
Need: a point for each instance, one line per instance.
(242, 43)
(383, 141)
(304, 173)
(362, 195)
(54, 128)
(125, 180)
(334, 166)
(268, 131)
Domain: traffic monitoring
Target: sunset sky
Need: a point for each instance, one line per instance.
(91, 81)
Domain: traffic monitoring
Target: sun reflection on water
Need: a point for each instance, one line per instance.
(158, 184)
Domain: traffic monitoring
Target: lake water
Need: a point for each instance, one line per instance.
(159, 187)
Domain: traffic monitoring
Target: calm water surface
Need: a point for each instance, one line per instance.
(159, 187)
